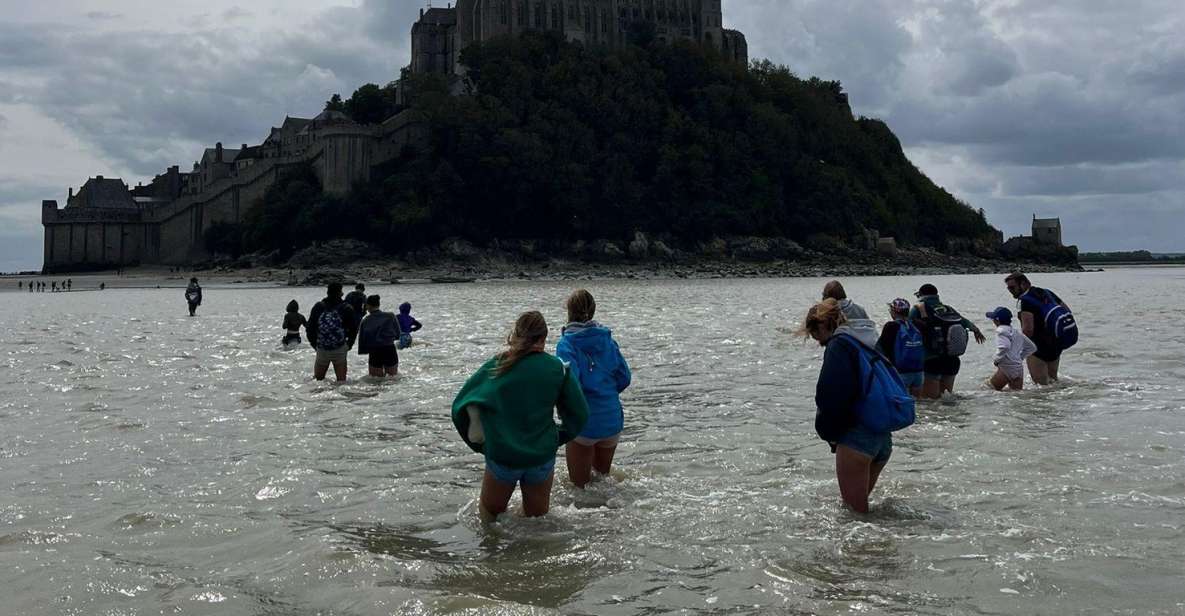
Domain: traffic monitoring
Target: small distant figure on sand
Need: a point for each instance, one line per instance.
(594, 357)
(1047, 321)
(860, 401)
(506, 412)
(901, 342)
(407, 325)
(293, 321)
(1012, 348)
(377, 335)
(69, 284)
(102, 285)
(332, 327)
(357, 299)
(54, 286)
(193, 296)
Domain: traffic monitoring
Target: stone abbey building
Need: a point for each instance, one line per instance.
(107, 223)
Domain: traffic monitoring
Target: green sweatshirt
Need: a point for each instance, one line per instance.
(516, 410)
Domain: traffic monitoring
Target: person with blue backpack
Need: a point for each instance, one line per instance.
(331, 328)
(594, 357)
(1047, 321)
(860, 401)
(901, 342)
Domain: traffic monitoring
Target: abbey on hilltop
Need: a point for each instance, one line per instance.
(107, 223)
(440, 34)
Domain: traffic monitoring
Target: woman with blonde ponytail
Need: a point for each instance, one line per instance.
(506, 411)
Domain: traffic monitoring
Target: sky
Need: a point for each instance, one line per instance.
(1069, 108)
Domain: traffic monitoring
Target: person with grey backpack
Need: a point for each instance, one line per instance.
(945, 333)
(331, 328)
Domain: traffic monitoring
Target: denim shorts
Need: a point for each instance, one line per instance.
(913, 379)
(879, 447)
(527, 476)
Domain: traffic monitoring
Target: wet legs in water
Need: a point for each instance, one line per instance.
(583, 459)
(1043, 372)
(857, 477)
(495, 497)
(193, 309)
(934, 389)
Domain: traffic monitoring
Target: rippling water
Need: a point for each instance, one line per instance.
(151, 463)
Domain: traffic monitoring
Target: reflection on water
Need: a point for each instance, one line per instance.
(154, 463)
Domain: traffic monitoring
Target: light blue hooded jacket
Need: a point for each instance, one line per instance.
(594, 357)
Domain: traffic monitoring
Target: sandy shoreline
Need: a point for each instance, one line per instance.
(398, 272)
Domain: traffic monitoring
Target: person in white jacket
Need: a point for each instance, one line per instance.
(1012, 348)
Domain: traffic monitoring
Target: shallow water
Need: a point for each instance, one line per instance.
(153, 463)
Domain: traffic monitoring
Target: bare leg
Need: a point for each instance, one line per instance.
(603, 459)
(495, 496)
(1039, 370)
(375, 371)
(854, 472)
(874, 473)
(339, 370)
(580, 463)
(999, 380)
(916, 392)
(537, 498)
(948, 385)
(1053, 366)
(932, 389)
(392, 371)
(1017, 384)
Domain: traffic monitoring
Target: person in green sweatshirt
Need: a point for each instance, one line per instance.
(506, 412)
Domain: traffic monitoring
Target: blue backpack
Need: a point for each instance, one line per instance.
(1058, 321)
(909, 351)
(331, 332)
(886, 405)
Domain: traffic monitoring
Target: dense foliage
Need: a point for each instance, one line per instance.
(561, 141)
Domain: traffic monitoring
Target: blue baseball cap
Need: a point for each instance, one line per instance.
(1001, 315)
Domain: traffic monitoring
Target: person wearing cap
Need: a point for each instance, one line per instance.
(377, 336)
(1012, 349)
(941, 367)
(901, 342)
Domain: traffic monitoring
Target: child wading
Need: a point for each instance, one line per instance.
(595, 358)
(506, 411)
(293, 321)
(1012, 349)
(407, 325)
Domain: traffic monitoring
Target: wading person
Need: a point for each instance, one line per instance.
(506, 411)
(858, 322)
(860, 401)
(407, 325)
(1012, 347)
(293, 321)
(331, 328)
(901, 342)
(377, 335)
(357, 299)
(944, 331)
(193, 296)
(594, 357)
(1047, 321)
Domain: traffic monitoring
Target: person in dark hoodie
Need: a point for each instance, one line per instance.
(293, 321)
(193, 296)
(506, 411)
(332, 327)
(407, 325)
(377, 335)
(357, 300)
(860, 454)
(594, 357)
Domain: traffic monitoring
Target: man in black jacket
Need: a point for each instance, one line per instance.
(332, 328)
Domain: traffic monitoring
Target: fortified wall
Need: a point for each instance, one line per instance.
(107, 224)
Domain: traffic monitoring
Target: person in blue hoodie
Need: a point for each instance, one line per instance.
(589, 349)
(407, 325)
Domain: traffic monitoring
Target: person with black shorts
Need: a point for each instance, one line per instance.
(1034, 305)
(377, 336)
(942, 364)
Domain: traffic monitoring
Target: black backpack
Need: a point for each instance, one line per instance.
(942, 329)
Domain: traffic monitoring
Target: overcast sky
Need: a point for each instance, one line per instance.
(1070, 108)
